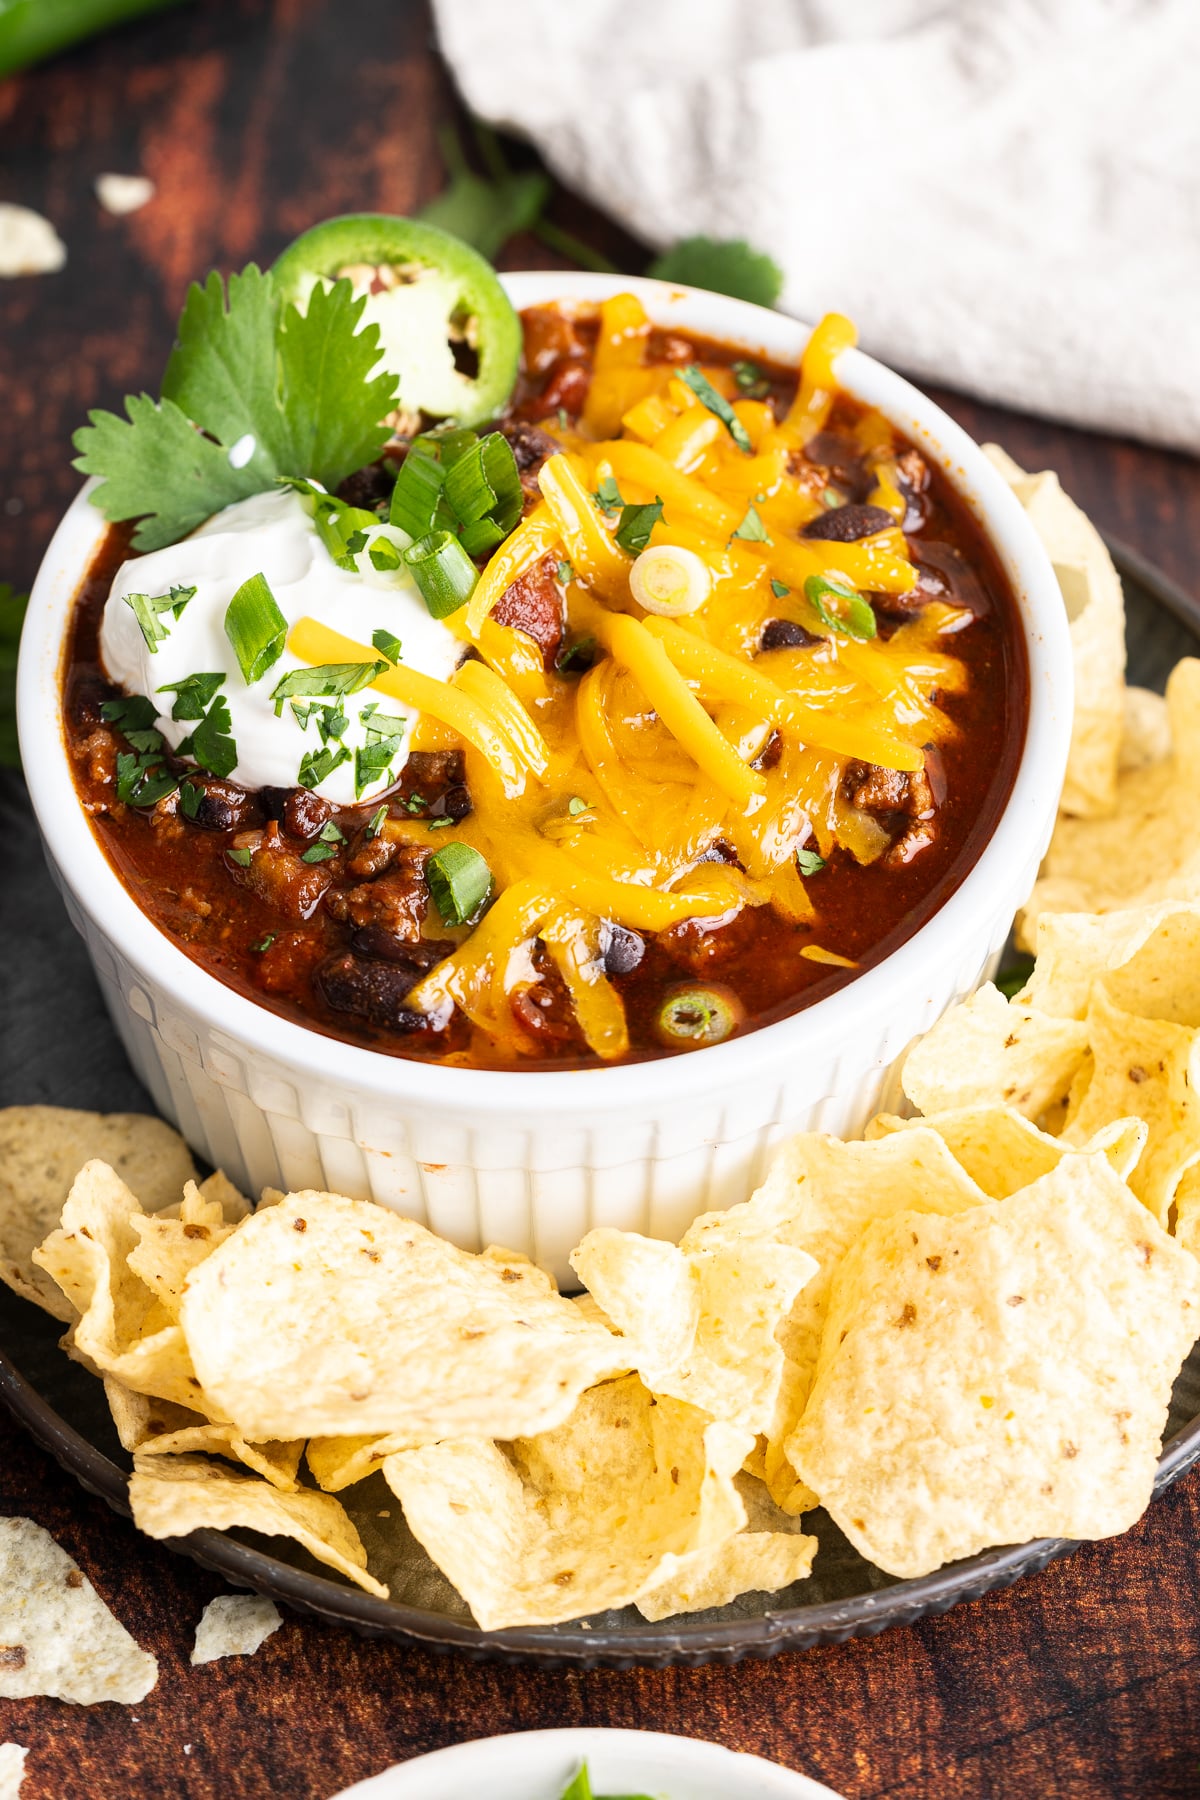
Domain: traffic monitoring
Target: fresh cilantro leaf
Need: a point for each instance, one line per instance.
(387, 645)
(694, 377)
(12, 613)
(485, 213)
(192, 694)
(374, 824)
(134, 717)
(240, 855)
(325, 681)
(780, 589)
(212, 742)
(297, 392)
(264, 943)
(729, 267)
(750, 379)
(331, 722)
(608, 494)
(158, 469)
(809, 862)
(318, 853)
(142, 780)
(752, 528)
(373, 760)
(148, 610)
(636, 524)
(564, 574)
(190, 796)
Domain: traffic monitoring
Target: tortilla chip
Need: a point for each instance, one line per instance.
(819, 1195)
(585, 1517)
(160, 1428)
(1146, 736)
(234, 1625)
(1000, 1374)
(122, 1329)
(57, 1636)
(42, 1149)
(1146, 1067)
(1148, 960)
(326, 1317)
(1187, 1211)
(993, 1051)
(169, 1249)
(701, 1324)
(338, 1462)
(1149, 849)
(1095, 605)
(12, 1770)
(1002, 1151)
(173, 1495)
(770, 1554)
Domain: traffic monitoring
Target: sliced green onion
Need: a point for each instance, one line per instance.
(443, 572)
(691, 1017)
(448, 443)
(670, 581)
(336, 521)
(485, 483)
(384, 554)
(635, 525)
(256, 628)
(317, 765)
(809, 862)
(148, 609)
(459, 882)
(192, 695)
(716, 403)
(417, 492)
(326, 681)
(576, 805)
(852, 616)
(752, 528)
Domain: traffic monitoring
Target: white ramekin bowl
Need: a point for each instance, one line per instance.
(528, 1159)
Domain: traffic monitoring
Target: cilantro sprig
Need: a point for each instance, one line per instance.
(254, 391)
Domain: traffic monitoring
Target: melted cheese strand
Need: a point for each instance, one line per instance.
(573, 942)
(494, 694)
(531, 540)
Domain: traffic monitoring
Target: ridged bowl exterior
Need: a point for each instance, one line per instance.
(533, 1160)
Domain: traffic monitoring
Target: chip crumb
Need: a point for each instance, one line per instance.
(234, 1625)
(121, 194)
(59, 1637)
(29, 244)
(12, 1770)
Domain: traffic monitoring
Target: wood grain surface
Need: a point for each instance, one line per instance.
(254, 120)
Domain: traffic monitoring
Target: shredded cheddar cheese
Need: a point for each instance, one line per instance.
(598, 796)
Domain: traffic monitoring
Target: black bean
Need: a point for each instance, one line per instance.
(221, 806)
(785, 634)
(456, 803)
(370, 990)
(846, 524)
(623, 951)
(378, 941)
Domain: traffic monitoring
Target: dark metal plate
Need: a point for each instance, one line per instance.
(59, 1048)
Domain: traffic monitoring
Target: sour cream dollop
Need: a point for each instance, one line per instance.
(272, 535)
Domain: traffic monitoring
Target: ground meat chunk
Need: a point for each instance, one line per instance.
(370, 990)
(895, 796)
(432, 786)
(395, 901)
(369, 856)
(301, 814)
(567, 389)
(846, 524)
(550, 334)
(534, 604)
(698, 944)
(278, 875)
(530, 447)
(875, 790)
(98, 752)
(544, 1009)
(222, 805)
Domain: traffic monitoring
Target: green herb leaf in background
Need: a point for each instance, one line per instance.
(12, 614)
(723, 267)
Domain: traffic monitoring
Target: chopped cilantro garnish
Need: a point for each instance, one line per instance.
(579, 654)
(415, 803)
(318, 853)
(752, 528)
(192, 694)
(442, 824)
(564, 419)
(148, 610)
(212, 743)
(809, 862)
(317, 765)
(831, 497)
(331, 722)
(330, 833)
(241, 856)
(325, 681)
(374, 824)
(636, 524)
(387, 645)
(751, 380)
(134, 716)
(142, 780)
(300, 387)
(780, 589)
(264, 943)
(694, 377)
(608, 494)
(565, 574)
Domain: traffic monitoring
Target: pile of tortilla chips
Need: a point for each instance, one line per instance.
(961, 1332)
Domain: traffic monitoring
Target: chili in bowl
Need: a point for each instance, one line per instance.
(529, 830)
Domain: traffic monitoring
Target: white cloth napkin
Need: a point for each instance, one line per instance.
(1004, 194)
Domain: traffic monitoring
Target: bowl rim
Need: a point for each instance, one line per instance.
(822, 1029)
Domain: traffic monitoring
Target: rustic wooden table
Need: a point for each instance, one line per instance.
(255, 119)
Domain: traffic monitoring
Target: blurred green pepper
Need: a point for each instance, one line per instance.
(31, 30)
